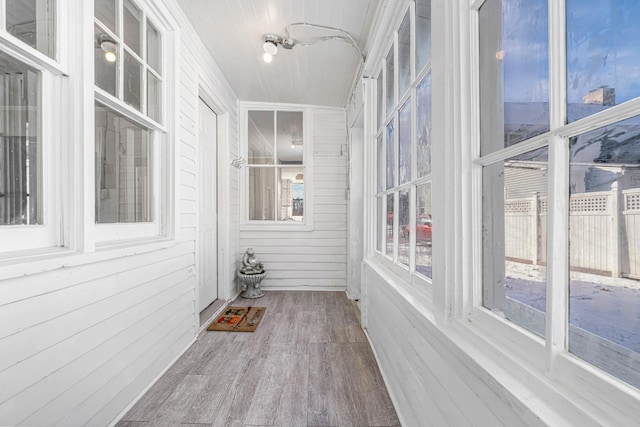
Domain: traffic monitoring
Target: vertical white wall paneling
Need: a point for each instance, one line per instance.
(356, 211)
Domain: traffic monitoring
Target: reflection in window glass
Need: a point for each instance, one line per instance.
(33, 22)
(404, 143)
(391, 158)
(379, 224)
(262, 204)
(390, 231)
(20, 147)
(154, 97)
(380, 160)
(289, 143)
(515, 69)
(404, 55)
(423, 126)
(404, 216)
(132, 27)
(379, 101)
(423, 33)
(514, 238)
(603, 65)
(291, 200)
(261, 137)
(154, 48)
(124, 190)
(422, 230)
(105, 11)
(132, 81)
(604, 248)
(106, 66)
(389, 86)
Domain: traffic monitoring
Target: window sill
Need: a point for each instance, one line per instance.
(29, 262)
(275, 226)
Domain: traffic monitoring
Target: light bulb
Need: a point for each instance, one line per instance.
(110, 56)
(267, 57)
(270, 47)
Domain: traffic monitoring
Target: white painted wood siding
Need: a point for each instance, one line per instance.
(82, 335)
(315, 259)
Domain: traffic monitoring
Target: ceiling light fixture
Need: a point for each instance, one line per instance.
(109, 48)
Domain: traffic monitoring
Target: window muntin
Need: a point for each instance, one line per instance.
(34, 23)
(275, 149)
(124, 68)
(603, 65)
(20, 144)
(514, 70)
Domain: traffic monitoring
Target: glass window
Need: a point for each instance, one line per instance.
(132, 81)
(404, 55)
(604, 248)
(603, 64)
(154, 48)
(404, 214)
(379, 107)
(124, 183)
(514, 70)
(154, 97)
(378, 228)
(106, 11)
(514, 238)
(422, 230)
(391, 162)
(390, 229)
(404, 143)
(106, 62)
(33, 22)
(423, 126)
(423, 33)
(381, 163)
(132, 27)
(389, 83)
(20, 144)
(275, 149)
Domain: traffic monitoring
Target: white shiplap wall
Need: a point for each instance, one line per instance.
(83, 334)
(315, 259)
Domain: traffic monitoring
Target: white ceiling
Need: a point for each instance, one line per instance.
(321, 74)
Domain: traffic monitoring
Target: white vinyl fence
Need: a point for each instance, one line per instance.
(604, 231)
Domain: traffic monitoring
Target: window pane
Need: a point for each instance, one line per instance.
(389, 87)
(262, 204)
(106, 62)
(423, 33)
(404, 55)
(131, 27)
(514, 70)
(604, 243)
(291, 200)
(154, 48)
(154, 97)
(423, 127)
(389, 234)
(378, 225)
(603, 64)
(132, 81)
(33, 22)
(404, 215)
(261, 137)
(379, 101)
(123, 169)
(404, 143)
(105, 11)
(290, 141)
(20, 148)
(514, 208)
(391, 158)
(381, 163)
(423, 230)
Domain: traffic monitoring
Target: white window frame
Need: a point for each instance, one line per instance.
(407, 274)
(23, 240)
(307, 223)
(548, 359)
(161, 135)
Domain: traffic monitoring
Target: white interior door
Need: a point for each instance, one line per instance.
(207, 230)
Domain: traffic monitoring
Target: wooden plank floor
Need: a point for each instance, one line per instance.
(308, 364)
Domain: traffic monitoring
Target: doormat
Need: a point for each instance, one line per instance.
(238, 319)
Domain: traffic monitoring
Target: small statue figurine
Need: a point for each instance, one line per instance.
(250, 264)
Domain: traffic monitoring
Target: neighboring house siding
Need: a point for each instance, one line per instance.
(82, 335)
(314, 259)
